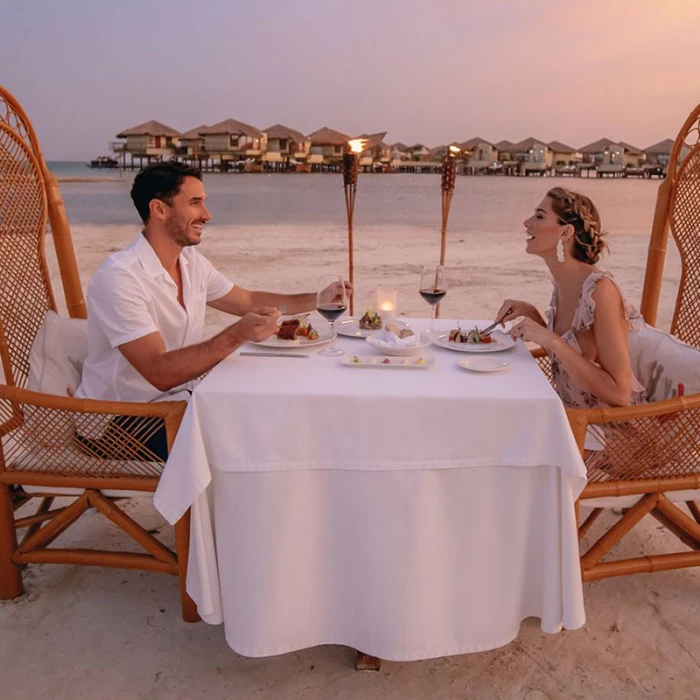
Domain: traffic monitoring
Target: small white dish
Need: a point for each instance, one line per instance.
(483, 364)
(501, 341)
(389, 362)
(422, 341)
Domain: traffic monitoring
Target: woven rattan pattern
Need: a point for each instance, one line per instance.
(685, 226)
(24, 284)
(47, 441)
(654, 447)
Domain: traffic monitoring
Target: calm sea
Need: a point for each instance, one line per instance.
(485, 204)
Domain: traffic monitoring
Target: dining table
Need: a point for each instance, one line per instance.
(410, 509)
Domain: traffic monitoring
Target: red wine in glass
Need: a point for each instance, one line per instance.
(433, 287)
(433, 296)
(331, 303)
(331, 312)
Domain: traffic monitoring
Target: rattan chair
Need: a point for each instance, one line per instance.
(651, 460)
(39, 448)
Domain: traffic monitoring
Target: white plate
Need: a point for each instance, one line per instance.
(399, 350)
(274, 342)
(501, 341)
(388, 362)
(483, 364)
(350, 327)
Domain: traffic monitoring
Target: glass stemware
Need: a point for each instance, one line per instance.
(331, 303)
(433, 287)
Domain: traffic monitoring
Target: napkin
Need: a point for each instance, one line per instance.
(387, 339)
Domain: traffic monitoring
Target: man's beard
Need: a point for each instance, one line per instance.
(178, 232)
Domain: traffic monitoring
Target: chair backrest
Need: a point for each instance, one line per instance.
(28, 196)
(678, 208)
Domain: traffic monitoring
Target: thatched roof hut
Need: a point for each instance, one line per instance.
(662, 148)
(232, 127)
(279, 131)
(328, 137)
(149, 128)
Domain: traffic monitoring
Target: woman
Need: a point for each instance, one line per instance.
(588, 322)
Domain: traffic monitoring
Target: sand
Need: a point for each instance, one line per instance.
(91, 633)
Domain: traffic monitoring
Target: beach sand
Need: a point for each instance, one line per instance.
(89, 633)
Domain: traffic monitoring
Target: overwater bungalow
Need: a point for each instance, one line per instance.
(192, 144)
(479, 154)
(659, 153)
(535, 156)
(149, 141)
(506, 157)
(377, 153)
(232, 141)
(606, 155)
(632, 157)
(399, 153)
(285, 147)
(563, 155)
(327, 147)
(420, 153)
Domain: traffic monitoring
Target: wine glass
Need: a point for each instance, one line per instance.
(331, 303)
(433, 287)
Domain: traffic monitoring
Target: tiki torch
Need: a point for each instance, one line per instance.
(449, 163)
(447, 185)
(351, 164)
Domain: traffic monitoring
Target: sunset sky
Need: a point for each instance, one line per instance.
(431, 71)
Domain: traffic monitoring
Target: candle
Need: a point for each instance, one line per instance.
(386, 304)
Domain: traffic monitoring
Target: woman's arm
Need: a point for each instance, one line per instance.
(514, 308)
(610, 381)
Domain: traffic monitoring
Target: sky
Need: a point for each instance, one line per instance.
(429, 71)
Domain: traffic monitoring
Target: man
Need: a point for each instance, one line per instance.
(146, 303)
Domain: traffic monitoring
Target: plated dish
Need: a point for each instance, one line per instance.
(499, 341)
(296, 332)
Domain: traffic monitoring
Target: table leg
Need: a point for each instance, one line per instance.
(365, 662)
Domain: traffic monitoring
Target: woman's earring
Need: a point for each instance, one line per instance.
(560, 251)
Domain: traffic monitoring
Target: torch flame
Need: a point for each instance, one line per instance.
(357, 145)
(454, 150)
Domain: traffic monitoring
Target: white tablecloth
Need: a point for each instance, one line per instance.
(406, 513)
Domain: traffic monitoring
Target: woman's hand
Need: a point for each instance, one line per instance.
(514, 308)
(529, 330)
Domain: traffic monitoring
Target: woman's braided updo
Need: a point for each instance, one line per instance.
(578, 210)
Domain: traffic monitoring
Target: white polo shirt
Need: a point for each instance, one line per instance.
(130, 296)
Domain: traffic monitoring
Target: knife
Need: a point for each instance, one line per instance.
(272, 354)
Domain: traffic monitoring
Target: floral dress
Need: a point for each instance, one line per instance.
(570, 392)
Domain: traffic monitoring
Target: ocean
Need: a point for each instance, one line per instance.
(296, 223)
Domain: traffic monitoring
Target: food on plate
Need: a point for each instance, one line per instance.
(356, 360)
(371, 321)
(473, 337)
(294, 328)
(420, 361)
(386, 361)
(401, 332)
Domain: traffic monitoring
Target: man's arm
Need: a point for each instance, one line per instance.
(166, 370)
(240, 301)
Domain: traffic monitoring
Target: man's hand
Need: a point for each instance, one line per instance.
(334, 292)
(257, 325)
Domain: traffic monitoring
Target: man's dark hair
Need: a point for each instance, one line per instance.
(159, 181)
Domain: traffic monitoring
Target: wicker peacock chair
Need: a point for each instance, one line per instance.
(652, 452)
(39, 449)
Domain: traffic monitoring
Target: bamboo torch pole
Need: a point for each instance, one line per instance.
(350, 172)
(447, 186)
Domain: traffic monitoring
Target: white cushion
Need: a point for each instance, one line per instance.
(663, 364)
(57, 355)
